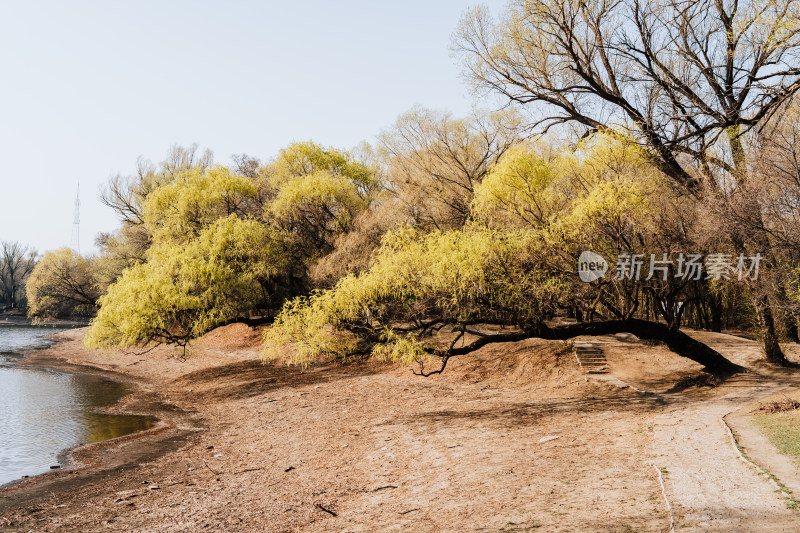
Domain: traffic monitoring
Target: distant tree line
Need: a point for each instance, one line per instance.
(16, 264)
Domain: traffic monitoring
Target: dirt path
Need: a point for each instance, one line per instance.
(708, 485)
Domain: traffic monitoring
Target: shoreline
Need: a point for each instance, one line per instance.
(22, 320)
(82, 464)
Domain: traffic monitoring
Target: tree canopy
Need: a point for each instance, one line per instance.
(63, 284)
(438, 294)
(185, 289)
(204, 245)
(694, 84)
(642, 133)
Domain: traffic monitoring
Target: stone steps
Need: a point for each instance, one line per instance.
(590, 358)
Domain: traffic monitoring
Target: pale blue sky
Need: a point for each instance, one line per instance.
(87, 87)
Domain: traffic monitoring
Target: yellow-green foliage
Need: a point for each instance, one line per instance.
(576, 198)
(62, 284)
(608, 205)
(398, 348)
(461, 276)
(307, 158)
(316, 194)
(183, 290)
(221, 245)
(613, 183)
(321, 199)
(522, 187)
(196, 197)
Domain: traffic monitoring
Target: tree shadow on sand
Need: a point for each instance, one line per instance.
(248, 379)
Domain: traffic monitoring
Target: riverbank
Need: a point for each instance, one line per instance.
(88, 463)
(20, 319)
(514, 438)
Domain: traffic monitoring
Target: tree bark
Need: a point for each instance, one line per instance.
(769, 337)
(792, 332)
(716, 315)
(761, 301)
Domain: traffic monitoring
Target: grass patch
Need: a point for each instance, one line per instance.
(783, 430)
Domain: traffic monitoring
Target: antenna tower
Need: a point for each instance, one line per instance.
(75, 242)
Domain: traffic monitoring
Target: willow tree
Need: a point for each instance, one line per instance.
(222, 244)
(181, 209)
(418, 285)
(126, 196)
(600, 196)
(687, 80)
(446, 294)
(426, 167)
(63, 284)
(316, 194)
(184, 289)
(504, 276)
(211, 260)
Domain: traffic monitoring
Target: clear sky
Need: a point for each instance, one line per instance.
(87, 87)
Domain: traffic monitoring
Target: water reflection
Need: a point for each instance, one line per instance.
(43, 412)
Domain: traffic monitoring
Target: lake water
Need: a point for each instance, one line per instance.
(43, 412)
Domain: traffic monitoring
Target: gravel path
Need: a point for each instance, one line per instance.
(709, 486)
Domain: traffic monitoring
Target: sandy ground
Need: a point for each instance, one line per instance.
(513, 438)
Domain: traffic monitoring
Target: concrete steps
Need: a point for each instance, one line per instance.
(591, 358)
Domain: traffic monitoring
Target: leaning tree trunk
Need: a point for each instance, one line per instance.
(676, 340)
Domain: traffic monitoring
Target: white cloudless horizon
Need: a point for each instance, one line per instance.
(90, 86)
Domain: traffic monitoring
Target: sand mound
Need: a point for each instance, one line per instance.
(231, 337)
(529, 362)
